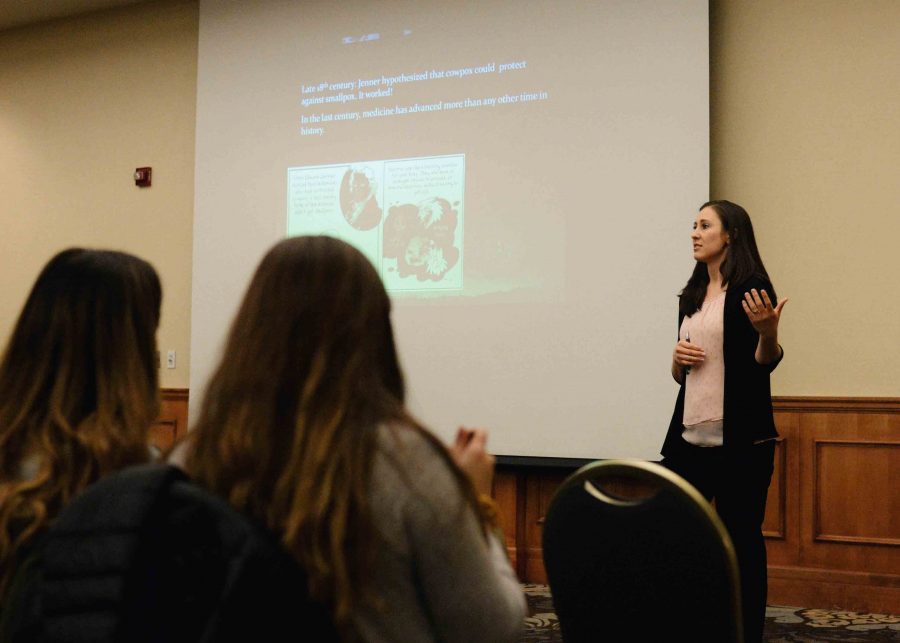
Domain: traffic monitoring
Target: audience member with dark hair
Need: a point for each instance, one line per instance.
(304, 429)
(78, 392)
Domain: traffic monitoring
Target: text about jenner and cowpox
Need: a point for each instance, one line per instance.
(328, 103)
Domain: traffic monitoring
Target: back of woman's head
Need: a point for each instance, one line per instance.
(287, 429)
(315, 314)
(78, 385)
(312, 333)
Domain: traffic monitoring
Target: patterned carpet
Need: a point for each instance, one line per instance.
(783, 624)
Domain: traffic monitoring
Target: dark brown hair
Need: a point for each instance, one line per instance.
(287, 430)
(78, 387)
(742, 260)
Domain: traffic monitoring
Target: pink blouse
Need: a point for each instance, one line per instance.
(704, 394)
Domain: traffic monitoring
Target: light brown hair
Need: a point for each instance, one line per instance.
(287, 430)
(78, 388)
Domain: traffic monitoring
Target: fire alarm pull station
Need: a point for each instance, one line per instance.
(142, 176)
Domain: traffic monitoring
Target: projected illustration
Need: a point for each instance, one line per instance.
(406, 215)
(421, 239)
(358, 201)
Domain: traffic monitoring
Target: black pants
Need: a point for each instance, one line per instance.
(738, 480)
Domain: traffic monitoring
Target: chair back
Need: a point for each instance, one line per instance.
(633, 552)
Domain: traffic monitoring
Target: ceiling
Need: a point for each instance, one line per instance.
(15, 13)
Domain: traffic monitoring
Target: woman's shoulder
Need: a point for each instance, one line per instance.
(406, 441)
(410, 476)
(759, 282)
(409, 452)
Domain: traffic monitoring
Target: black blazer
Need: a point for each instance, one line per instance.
(748, 415)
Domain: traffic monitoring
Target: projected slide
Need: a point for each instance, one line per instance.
(522, 174)
(330, 103)
(406, 215)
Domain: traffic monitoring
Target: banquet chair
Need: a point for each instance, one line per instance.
(633, 552)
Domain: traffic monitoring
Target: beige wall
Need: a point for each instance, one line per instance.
(83, 101)
(806, 134)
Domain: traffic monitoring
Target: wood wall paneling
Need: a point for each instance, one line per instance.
(833, 589)
(162, 435)
(832, 523)
(781, 526)
(540, 490)
(774, 524)
(505, 493)
(871, 517)
(846, 494)
(172, 424)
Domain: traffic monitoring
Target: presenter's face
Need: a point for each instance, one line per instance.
(709, 238)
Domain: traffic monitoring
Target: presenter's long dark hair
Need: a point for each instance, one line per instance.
(742, 260)
(78, 388)
(287, 429)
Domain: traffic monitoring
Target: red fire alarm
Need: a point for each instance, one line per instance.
(142, 176)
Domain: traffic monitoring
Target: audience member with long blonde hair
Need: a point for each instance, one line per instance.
(78, 390)
(304, 429)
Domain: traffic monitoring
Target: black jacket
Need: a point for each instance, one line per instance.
(748, 415)
(144, 556)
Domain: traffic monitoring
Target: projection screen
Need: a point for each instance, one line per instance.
(523, 176)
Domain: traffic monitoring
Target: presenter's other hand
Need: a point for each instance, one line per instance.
(470, 454)
(688, 354)
(761, 313)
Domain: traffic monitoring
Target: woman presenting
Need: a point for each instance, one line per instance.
(722, 435)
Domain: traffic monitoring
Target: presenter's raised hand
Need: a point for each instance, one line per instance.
(470, 454)
(761, 313)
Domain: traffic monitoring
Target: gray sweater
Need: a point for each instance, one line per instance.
(437, 575)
